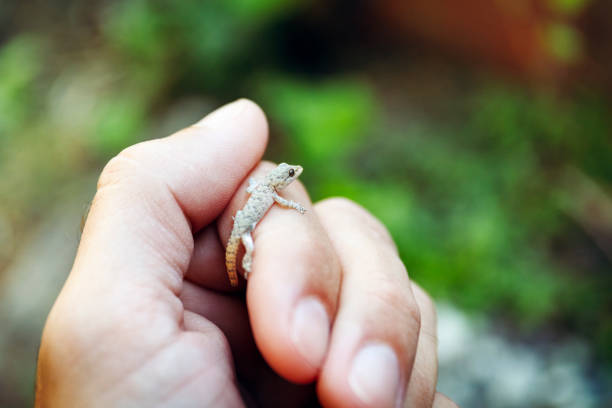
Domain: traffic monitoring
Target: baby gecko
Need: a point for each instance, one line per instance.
(263, 196)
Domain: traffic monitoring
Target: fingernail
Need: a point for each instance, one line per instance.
(221, 116)
(310, 330)
(374, 376)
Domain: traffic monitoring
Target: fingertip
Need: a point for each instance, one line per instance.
(310, 330)
(216, 154)
(292, 295)
(244, 110)
(296, 359)
(257, 112)
(292, 292)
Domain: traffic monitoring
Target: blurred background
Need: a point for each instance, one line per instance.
(479, 132)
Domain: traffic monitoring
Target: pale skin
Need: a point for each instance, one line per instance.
(148, 317)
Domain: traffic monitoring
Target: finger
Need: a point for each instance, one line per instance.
(136, 245)
(292, 290)
(375, 334)
(203, 335)
(151, 193)
(229, 315)
(442, 401)
(137, 240)
(207, 266)
(424, 376)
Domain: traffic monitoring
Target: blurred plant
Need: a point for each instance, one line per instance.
(65, 112)
(20, 64)
(204, 42)
(568, 7)
(479, 205)
(563, 42)
(325, 121)
(473, 205)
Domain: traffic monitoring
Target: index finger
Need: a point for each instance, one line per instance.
(292, 290)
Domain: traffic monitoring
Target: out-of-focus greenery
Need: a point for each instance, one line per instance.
(486, 203)
(568, 6)
(563, 42)
(473, 203)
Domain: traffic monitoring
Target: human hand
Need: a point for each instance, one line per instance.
(147, 316)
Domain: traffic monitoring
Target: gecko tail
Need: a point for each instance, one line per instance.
(230, 259)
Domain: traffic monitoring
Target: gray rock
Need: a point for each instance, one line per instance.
(481, 368)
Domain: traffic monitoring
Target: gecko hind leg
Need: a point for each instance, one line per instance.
(247, 260)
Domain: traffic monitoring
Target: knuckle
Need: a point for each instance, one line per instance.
(342, 204)
(66, 331)
(124, 165)
(424, 301)
(421, 389)
(113, 172)
(393, 299)
(322, 255)
(376, 229)
(414, 315)
(210, 339)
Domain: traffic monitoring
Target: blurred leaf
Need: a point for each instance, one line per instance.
(21, 60)
(325, 119)
(210, 31)
(136, 28)
(258, 9)
(568, 7)
(391, 203)
(563, 42)
(591, 144)
(121, 121)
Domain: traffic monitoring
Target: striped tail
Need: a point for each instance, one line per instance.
(230, 259)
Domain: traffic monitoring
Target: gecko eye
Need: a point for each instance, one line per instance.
(291, 172)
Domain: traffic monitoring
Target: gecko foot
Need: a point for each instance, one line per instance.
(246, 263)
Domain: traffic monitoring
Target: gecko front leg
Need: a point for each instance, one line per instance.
(288, 203)
(252, 185)
(247, 241)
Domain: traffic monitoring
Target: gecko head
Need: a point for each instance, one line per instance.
(283, 175)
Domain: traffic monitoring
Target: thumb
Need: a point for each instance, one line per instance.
(151, 198)
(119, 314)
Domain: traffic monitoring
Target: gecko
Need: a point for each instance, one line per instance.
(263, 195)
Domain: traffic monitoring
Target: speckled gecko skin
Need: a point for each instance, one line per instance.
(263, 196)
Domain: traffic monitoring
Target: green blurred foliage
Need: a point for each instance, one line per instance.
(472, 202)
(472, 205)
(325, 120)
(116, 124)
(569, 7)
(20, 64)
(563, 42)
(454, 212)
